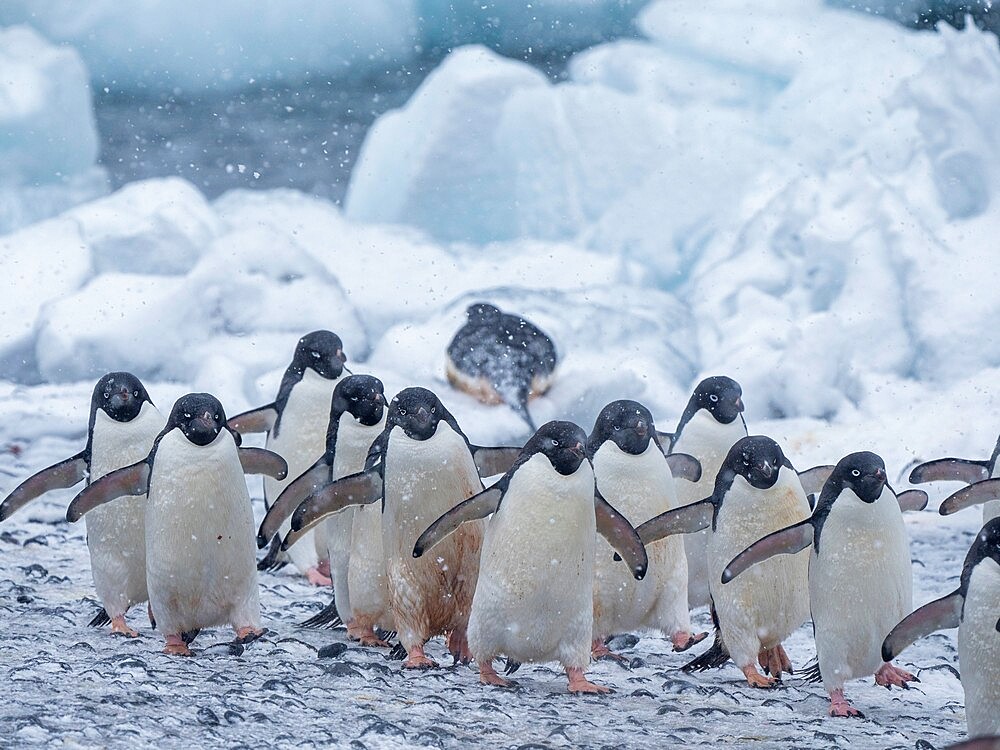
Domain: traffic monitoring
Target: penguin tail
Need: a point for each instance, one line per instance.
(101, 618)
(510, 666)
(811, 673)
(328, 617)
(385, 635)
(398, 653)
(275, 559)
(716, 656)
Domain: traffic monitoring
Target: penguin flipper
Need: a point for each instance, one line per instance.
(813, 479)
(912, 500)
(684, 466)
(665, 439)
(974, 494)
(261, 419)
(129, 480)
(491, 461)
(939, 614)
(58, 476)
(355, 489)
(950, 470)
(263, 461)
(476, 507)
(684, 520)
(787, 541)
(312, 479)
(620, 534)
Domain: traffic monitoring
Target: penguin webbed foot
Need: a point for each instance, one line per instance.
(316, 578)
(683, 641)
(839, 707)
(249, 634)
(600, 651)
(888, 676)
(175, 645)
(756, 680)
(121, 628)
(579, 684)
(417, 659)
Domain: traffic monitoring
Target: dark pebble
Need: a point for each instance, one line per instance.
(332, 651)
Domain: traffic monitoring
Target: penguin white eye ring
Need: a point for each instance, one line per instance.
(713, 398)
(855, 473)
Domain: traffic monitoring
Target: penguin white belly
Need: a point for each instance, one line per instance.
(534, 601)
(116, 535)
(639, 487)
(353, 441)
(761, 607)
(300, 440)
(709, 441)
(979, 650)
(423, 480)
(200, 550)
(860, 585)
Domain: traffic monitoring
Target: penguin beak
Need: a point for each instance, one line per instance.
(121, 398)
(379, 398)
(577, 450)
(767, 470)
(641, 429)
(423, 416)
(341, 356)
(739, 404)
(206, 421)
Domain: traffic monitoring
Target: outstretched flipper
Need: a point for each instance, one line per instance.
(951, 470)
(684, 466)
(262, 461)
(312, 479)
(813, 479)
(614, 527)
(492, 461)
(130, 480)
(787, 541)
(255, 420)
(974, 494)
(912, 500)
(684, 520)
(939, 614)
(58, 476)
(355, 489)
(476, 507)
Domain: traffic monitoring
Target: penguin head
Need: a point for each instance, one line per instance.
(721, 396)
(120, 395)
(626, 423)
(758, 459)
(199, 416)
(321, 351)
(863, 473)
(985, 546)
(483, 313)
(563, 443)
(417, 411)
(362, 396)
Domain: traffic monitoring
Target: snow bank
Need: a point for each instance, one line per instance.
(48, 136)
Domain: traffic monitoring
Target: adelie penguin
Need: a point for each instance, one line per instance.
(974, 608)
(296, 425)
(123, 424)
(982, 476)
(501, 358)
(756, 492)
(354, 536)
(860, 580)
(633, 474)
(420, 466)
(200, 569)
(535, 598)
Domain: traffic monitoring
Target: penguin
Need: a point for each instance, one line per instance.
(535, 597)
(982, 475)
(296, 425)
(200, 569)
(860, 579)
(123, 424)
(501, 358)
(757, 491)
(973, 608)
(633, 474)
(354, 536)
(420, 466)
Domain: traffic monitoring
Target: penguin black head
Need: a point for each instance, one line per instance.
(199, 416)
(362, 396)
(321, 351)
(120, 395)
(627, 423)
(986, 545)
(721, 396)
(563, 443)
(482, 313)
(417, 411)
(758, 459)
(863, 472)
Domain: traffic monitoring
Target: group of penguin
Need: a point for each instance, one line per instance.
(576, 538)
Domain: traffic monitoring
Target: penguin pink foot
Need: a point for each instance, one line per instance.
(175, 646)
(316, 577)
(683, 640)
(755, 679)
(888, 675)
(458, 646)
(248, 634)
(364, 634)
(840, 707)
(118, 627)
(580, 684)
(324, 567)
(600, 651)
(417, 659)
(488, 675)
